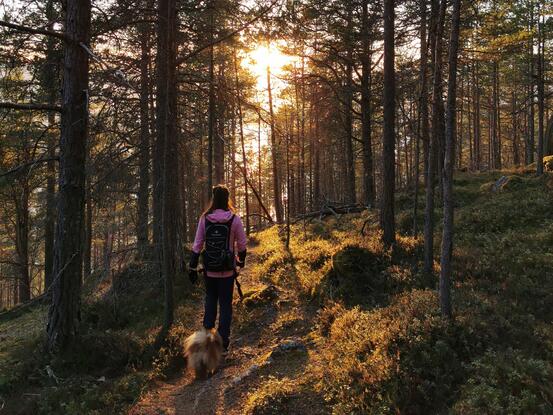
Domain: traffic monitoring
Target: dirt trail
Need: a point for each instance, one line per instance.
(256, 332)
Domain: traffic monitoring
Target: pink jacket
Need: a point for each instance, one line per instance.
(237, 236)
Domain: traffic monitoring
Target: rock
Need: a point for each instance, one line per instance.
(288, 345)
(261, 297)
(498, 185)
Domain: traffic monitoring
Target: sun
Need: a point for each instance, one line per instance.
(270, 56)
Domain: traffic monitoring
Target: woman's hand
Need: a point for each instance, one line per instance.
(193, 275)
(241, 260)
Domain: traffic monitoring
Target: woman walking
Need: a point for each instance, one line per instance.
(221, 242)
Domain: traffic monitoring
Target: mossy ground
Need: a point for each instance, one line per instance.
(375, 341)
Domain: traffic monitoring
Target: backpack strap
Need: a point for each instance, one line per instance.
(229, 223)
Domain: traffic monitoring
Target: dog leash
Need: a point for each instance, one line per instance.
(238, 286)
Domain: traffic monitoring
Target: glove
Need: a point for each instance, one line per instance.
(241, 259)
(193, 276)
(194, 259)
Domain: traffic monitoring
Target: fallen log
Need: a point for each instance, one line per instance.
(326, 210)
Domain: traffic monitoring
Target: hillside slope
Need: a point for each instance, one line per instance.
(334, 324)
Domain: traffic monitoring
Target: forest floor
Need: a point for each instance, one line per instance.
(334, 323)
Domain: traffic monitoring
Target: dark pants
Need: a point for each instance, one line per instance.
(219, 290)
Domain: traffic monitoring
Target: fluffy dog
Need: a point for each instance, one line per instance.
(203, 350)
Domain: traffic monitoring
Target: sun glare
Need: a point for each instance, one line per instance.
(258, 59)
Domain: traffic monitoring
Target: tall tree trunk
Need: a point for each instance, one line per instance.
(422, 112)
(530, 139)
(461, 113)
(516, 152)
(167, 135)
(366, 127)
(212, 118)
(387, 219)
(87, 243)
(259, 166)
(316, 163)
(495, 124)
(64, 313)
(437, 134)
(348, 111)
(21, 199)
(275, 153)
(288, 132)
(244, 158)
(144, 145)
(302, 185)
(51, 86)
(469, 119)
(449, 161)
(476, 120)
(541, 99)
(219, 136)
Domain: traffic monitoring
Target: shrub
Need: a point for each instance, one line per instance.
(506, 383)
(399, 358)
(170, 359)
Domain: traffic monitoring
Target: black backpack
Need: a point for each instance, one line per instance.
(217, 254)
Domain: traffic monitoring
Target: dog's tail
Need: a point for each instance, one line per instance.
(194, 341)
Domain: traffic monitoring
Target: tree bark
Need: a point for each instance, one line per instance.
(21, 201)
(449, 161)
(541, 99)
(87, 243)
(167, 134)
(366, 127)
(387, 220)
(212, 117)
(348, 111)
(436, 138)
(476, 105)
(142, 234)
(496, 144)
(275, 153)
(241, 126)
(50, 73)
(530, 139)
(516, 152)
(64, 313)
(423, 112)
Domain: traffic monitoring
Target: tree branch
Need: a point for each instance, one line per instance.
(228, 35)
(28, 164)
(30, 106)
(21, 28)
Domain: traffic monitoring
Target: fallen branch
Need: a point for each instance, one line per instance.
(328, 210)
